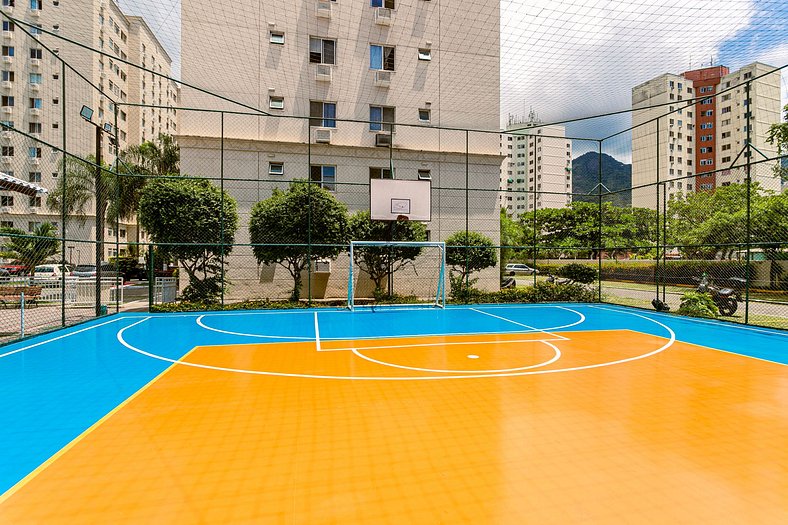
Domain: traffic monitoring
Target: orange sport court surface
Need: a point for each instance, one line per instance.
(557, 413)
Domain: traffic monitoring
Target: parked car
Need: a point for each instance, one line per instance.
(5, 275)
(51, 271)
(89, 270)
(14, 269)
(524, 269)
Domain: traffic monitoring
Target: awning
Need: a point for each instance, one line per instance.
(9, 183)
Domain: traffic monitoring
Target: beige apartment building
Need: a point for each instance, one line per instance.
(32, 102)
(537, 170)
(695, 145)
(402, 69)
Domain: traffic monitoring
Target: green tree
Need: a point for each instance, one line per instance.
(161, 156)
(280, 229)
(381, 261)
(778, 135)
(31, 249)
(470, 252)
(76, 192)
(185, 217)
(511, 238)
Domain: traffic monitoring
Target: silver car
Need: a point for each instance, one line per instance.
(522, 269)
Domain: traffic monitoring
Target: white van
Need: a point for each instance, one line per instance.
(51, 271)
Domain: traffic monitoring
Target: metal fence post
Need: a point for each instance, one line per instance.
(221, 210)
(656, 254)
(151, 277)
(63, 196)
(467, 208)
(600, 243)
(748, 272)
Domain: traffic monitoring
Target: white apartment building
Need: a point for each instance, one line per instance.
(428, 64)
(697, 142)
(32, 102)
(537, 170)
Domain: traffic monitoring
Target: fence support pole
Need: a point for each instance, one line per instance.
(22, 314)
(532, 156)
(664, 237)
(101, 200)
(64, 175)
(599, 233)
(656, 255)
(467, 209)
(118, 276)
(748, 273)
(309, 217)
(151, 277)
(221, 209)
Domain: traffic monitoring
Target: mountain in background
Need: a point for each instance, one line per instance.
(615, 176)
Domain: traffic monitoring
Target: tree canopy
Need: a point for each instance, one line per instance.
(380, 262)
(470, 252)
(184, 216)
(280, 228)
(31, 249)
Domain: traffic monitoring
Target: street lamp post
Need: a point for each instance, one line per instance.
(101, 203)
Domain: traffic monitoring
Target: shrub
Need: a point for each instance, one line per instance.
(579, 273)
(697, 304)
(541, 293)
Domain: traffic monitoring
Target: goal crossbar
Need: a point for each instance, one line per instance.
(440, 291)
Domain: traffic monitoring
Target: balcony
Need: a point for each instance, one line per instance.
(383, 78)
(324, 9)
(383, 16)
(323, 73)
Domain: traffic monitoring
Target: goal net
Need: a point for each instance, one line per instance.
(397, 273)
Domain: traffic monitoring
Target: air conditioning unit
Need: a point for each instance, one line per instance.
(8, 35)
(35, 112)
(322, 136)
(8, 60)
(323, 73)
(34, 210)
(323, 9)
(321, 266)
(35, 12)
(35, 87)
(35, 62)
(6, 134)
(35, 161)
(383, 16)
(7, 159)
(383, 140)
(7, 84)
(383, 78)
(8, 109)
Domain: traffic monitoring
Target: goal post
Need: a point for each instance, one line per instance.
(423, 278)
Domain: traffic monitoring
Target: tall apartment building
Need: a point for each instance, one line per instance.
(424, 63)
(537, 170)
(700, 140)
(31, 88)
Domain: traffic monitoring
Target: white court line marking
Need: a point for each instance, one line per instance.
(729, 324)
(317, 334)
(446, 343)
(386, 378)
(556, 357)
(515, 322)
(28, 347)
(200, 322)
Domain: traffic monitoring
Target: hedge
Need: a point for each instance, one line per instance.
(674, 272)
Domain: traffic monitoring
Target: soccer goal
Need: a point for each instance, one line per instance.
(407, 273)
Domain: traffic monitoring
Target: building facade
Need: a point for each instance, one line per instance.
(401, 70)
(691, 149)
(32, 102)
(537, 170)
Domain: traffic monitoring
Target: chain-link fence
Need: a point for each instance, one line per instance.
(245, 209)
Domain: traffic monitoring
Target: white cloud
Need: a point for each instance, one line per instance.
(578, 58)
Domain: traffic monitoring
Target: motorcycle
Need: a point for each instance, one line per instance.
(724, 298)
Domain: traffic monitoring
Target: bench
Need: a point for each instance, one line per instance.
(12, 295)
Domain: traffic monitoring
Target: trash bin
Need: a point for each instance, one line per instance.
(103, 309)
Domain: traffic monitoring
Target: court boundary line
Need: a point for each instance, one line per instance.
(445, 343)
(16, 487)
(557, 355)
(664, 347)
(544, 331)
(200, 323)
(63, 336)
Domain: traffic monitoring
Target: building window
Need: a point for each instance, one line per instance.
(8, 76)
(322, 51)
(277, 37)
(707, 125)
(35, 202)
(8, 25)
(7, 151)
(276, 168)
(381, 57)
(706, 162)
(36, 53)
(706, 101)
(388, 4)
(425, 115)
(425, 54)
(726, 159)
(425, 175)
(35, 78)
(7, 101)
(381, 118)
(6, 200)
(276, 102)
(380, 173)
(322, 114)
(34, 127)
(8, 51)
(708, 113)
(324, 175)
(35, 103)
(706, 150)
(34, 152)
(35, 5)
